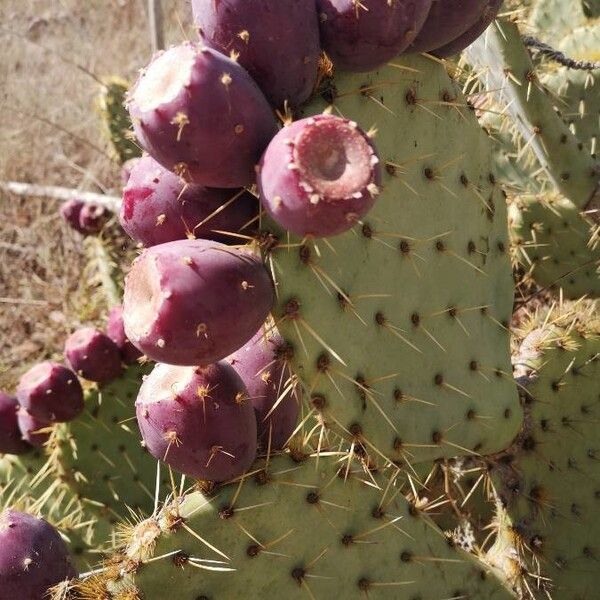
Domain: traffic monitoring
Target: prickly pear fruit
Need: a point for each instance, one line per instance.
(51, 392)
(273, 392)
(200, 421)
(201, 115)
(319, 176)
(127, 168)
(159, 207)
(10, 434)
(364, 35)
(34, 431)
(193, 302)
(470, 35)
(70, 212)
(33, 557)
(115, 330)
(93, 355)
(277, 42)
(92, 218)
(446, 21)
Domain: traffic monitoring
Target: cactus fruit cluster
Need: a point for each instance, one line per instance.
(318, 383)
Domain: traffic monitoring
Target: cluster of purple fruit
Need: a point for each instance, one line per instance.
(87, 218)
(50, 393)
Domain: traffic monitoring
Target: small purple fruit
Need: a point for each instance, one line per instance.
(262, 365)
(277, 42)
(159, 207)
(70, 212)
(193, 302)
(319, 176)
(447, 20)
(51, 392)
(362, 35)
(33, 557)
(201, 115)
(92, 218)
(11, 441)
(198, 420)
(93, 355)
(457, 45)
(33, 430)
(115, 330)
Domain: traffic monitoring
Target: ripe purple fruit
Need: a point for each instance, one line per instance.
(93, 355)
(70, 212)
(51, 392)
(33, 430)
(319, 176)
(33, 557)
(457, 45)
(159, 207)
(201, 115)
(127, 168)
(92, 218)
(262, 365)
(11, 441)
(447, 20)
(277, 42)
(115, 330)
(193, 302)
(362, 35)
(198, 420)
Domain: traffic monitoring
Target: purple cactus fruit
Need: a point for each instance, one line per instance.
(261, 364)
(92, 218)
(93, 355)
(198, 420)
(51, 392)
(201, 115)
(33, 557)
(193, 302)
(70, 212)
(11, 441)
(319, 176)
(126, 169)
(364, 35)
(115, 330)
(277, 42)
(159, 207)
(33, 430)
(447, 20)
(457, 45)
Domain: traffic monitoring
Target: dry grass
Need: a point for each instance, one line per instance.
(50, 134)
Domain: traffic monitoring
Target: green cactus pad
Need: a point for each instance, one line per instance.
(399, 326)
(550, 487)
(553, 19)
(100, 455)
(320, 529)
(116, 120)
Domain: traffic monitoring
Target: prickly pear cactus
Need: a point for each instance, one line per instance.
(115, 119)
(548, 483)
(258, 534)
(555, 18)
(399, 326)
(100, 455)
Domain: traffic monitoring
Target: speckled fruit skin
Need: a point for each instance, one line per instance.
(51, 392)
(93, 355)
(10, 435)
(115, 330)
(34, 431)
(446, 21)
(159, 207)
(33, 557)
(468, 37)
(214, 129)
(289, 192)
(277, 42)
(193, 302)
(261, 363)
(366, 35)
(198, 421)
